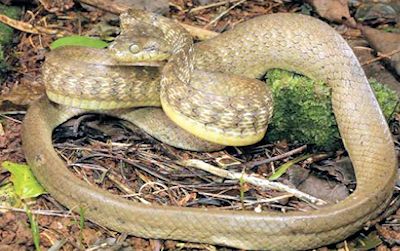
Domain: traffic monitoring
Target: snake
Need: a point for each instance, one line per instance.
(287, 41)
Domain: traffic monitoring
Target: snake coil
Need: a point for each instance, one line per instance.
(288, 41)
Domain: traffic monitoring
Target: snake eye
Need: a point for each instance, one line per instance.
(134, 48)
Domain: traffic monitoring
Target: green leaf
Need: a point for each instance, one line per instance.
(283, 168)
(24, 182)
(78, 41)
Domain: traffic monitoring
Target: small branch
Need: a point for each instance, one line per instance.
(10, 118)
(224, 13)
(119, 184)
(251, 179)
(26, 27)
(39, 212)
(13, 113)
(275, 158)
(211, 5)
(380, 57)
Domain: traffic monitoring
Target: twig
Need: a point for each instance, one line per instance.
(251, 179)
(119, 184)
(269, 200)
(40, 212)
(224, 13)
(211, 5)
(26, 27)
(131, 162)
(362, 48)
(380, 57)
(13, 113)
(10, 118)
(275, 158)
(118, 8)
(248, 202)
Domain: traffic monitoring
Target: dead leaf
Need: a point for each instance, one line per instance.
(139, 243)
(189, 197)
(341, 169)
(383, 248)
(324, 189)
(374, 70)
(333, 10)
(15, 230)
(378, 12)
(57, 5)
(23, 94)
(385, 43)
(390, 235)
(90, 236)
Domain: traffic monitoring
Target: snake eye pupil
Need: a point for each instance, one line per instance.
(134, 48)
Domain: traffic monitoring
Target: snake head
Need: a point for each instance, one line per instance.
(140, 43)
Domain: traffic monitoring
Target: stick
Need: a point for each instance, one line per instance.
(224, 13)
(26, 27)
(251, 179)
(275, 158)
(118, 8)
(39, 212)
(211, 5)
(380, 57)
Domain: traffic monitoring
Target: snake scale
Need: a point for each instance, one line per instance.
(288, 41)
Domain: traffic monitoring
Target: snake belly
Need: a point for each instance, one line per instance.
(288, 41)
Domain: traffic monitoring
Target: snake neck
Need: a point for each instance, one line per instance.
(180, 64)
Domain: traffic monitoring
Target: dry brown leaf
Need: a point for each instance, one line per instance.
(333, 10)
(391, 235)
(23, 94)
(57, 5)
(382, 248)
(90, 236)
(324, 189)
(385, 43)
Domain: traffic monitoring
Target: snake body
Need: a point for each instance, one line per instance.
(287, 41)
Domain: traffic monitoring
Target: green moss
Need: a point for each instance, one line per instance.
(303, 109)
(3, 64)
(6, 32)
(387, 99)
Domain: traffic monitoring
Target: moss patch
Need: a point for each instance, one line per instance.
(303, 109)
(6, 34)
